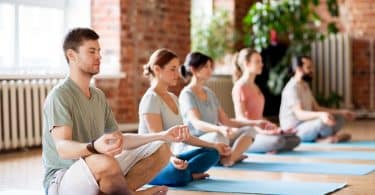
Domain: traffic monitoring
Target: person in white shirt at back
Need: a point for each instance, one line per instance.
(300, 110)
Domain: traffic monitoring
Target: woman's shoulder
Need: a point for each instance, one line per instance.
(150, 95)
(239, 85)
(186, 91)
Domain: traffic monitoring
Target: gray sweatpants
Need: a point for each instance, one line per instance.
(268, 143)
(311, 130)
(262, 143)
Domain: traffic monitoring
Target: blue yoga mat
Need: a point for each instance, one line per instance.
(261, 187)
(352, 144)
(350, 155)
(314, 168)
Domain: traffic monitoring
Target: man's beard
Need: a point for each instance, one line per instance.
(307, 77)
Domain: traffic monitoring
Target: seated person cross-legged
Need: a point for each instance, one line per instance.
(159, 110)
(300, 110)
(83, 150)
(201, 110)
(249, 103)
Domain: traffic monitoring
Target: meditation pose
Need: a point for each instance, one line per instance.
(159, 110)
(83, 150)
(201, 110)
(300, 110)
(249, 103)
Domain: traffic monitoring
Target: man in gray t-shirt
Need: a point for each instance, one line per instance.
(83, 150)
(300, 110)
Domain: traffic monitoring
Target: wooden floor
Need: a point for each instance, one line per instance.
(23, 170)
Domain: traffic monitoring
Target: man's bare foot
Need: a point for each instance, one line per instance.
(197, 176)
(343, 137)
(155, 190)
(329, 139)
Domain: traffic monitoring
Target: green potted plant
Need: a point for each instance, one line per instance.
(294, 20)
(216, 37)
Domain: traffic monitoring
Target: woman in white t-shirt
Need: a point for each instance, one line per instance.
(159, 110)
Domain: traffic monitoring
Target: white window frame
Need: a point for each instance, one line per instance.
(63, 5)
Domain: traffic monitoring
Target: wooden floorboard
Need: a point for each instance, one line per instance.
(22, 170)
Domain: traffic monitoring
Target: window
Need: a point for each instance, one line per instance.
(202, 10)
(7, 46)
(32, 31)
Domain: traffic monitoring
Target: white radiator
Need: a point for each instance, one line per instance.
(332, 59)
(222, 86)
(21, 109)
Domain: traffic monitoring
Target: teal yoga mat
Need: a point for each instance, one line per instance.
(349, 155)
(261, 187)
(311, 168)
(352, 144)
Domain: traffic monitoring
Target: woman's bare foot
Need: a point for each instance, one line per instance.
(226, 161)
(272, 152)
(241, 158)
(155, 190)
(197, 176)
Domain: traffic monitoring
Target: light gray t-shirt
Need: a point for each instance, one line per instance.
(152, 103)
(292, 94)
(208, 108)
(89, 118)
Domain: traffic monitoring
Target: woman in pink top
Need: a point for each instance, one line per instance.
(249, 104)
(251, 97)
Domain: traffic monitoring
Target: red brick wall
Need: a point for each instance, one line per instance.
(142, 27)
(105, 20)
(241, 8)
(357, 19)
(132, 30)
(361, 72)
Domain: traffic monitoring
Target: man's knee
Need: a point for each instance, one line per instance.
(339, 118)
(340, 121)
(306, 136)
(309, 131)
(101, 165)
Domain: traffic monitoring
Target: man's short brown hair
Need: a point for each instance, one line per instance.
(75, 38)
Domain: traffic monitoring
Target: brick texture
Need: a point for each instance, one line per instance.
(134, 31)
(241, 8)
(105, 20)
(131, 30)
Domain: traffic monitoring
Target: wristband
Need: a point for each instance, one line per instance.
(90, 147)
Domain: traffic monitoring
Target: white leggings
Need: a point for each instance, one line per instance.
(78, 179)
